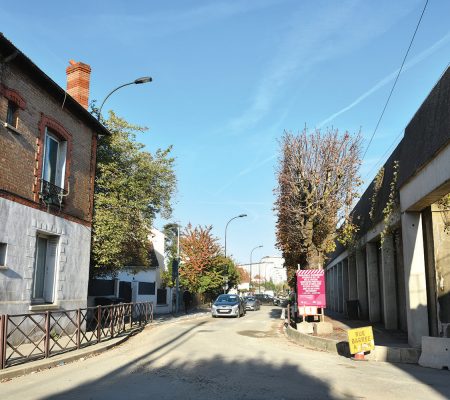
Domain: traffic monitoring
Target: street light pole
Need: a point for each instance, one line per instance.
(257, 247)
(226, 227)
(177, 293)
(137, 81)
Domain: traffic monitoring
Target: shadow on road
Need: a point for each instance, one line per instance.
(275, 312)
(144, 377)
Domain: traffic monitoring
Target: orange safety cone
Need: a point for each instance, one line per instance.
(359, 356)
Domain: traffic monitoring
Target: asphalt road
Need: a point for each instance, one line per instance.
(206, 358)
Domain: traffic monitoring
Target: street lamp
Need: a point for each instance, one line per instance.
(225, 283)
(238, 216)
(257, 247)
(137, 81)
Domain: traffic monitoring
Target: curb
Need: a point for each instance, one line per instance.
(405, 355)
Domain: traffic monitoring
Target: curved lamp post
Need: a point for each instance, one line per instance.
(238, 216)
(257, 247)
(137, 81)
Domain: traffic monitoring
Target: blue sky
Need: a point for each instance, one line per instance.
(231, 76)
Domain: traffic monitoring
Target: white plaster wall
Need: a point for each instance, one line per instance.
(157, 238)
(141, 276)
(19, 226)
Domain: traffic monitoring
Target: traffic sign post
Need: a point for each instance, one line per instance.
(311, 291)
(360, 340)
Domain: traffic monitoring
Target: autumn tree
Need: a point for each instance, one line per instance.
(132, 186)
(203, 265)
(244, 276)
(317, 184)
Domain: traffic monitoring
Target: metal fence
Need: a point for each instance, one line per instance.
(28, 337)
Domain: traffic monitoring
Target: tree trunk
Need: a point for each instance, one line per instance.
(314, 259)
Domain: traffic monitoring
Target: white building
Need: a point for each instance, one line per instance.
(139, 283)
(269, 268)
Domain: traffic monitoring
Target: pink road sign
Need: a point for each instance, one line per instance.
(311, 287)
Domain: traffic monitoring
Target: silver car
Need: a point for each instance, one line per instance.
(252, 303)
(228, 305)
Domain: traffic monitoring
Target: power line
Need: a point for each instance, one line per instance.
(398, 136)
(388, 150)
(396, 79)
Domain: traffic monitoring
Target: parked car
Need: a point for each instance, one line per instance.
(264, 298)
(252, 303)
(228, 305)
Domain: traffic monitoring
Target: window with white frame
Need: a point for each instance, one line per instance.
(44, 275)
(54, 161)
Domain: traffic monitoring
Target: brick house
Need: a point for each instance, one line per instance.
(47, 167)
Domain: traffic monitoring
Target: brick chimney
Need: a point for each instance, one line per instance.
(78, 78)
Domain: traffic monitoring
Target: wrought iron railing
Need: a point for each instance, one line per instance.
(28, 337)
(51, 194)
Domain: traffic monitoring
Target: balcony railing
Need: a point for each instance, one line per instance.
(51, 194)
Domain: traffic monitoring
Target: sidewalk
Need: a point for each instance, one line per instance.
(93, 350)
(390, 345)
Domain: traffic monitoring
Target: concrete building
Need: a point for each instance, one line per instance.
(47, 165)
(398, 268)
(269, 268)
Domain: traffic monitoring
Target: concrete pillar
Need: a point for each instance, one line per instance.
(389, 283)
(345, 285)
(352, 288)
(361, 282)
(336, 290)
(330, 288)
(415, 281)
(340, 307)
(373, 283)
(403, 324)
(327, 286)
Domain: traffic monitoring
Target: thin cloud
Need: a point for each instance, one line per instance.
(312, 39)
(426, 53)
(243, 172)
(175, 21)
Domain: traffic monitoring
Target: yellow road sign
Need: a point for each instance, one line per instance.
(361, 339)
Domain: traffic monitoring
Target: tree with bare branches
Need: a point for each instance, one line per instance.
(317, 184)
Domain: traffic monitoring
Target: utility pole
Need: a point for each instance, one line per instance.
(178, 274)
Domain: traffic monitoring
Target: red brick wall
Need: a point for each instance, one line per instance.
(78, 78)
(21, 154)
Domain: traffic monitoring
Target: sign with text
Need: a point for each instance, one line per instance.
(311, 287)
(361, 340)
(307, 310)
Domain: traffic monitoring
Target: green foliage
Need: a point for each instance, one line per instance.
(132, 186)
(348, 233)
(170, 231)
(269, 285)
(378, 182)
(444, 206)
(392, 203)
